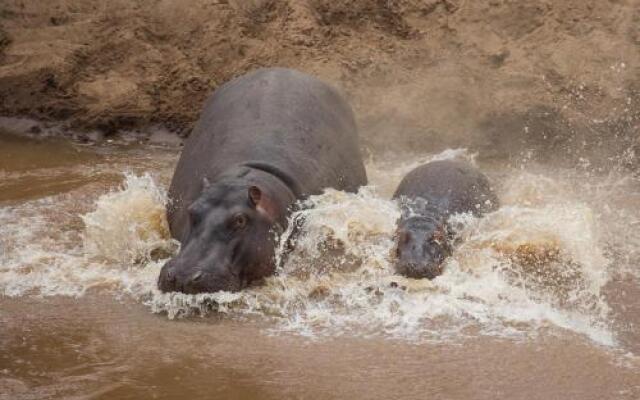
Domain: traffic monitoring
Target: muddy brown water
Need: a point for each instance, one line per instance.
(79, 317)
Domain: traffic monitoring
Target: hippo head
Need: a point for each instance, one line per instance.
(422, 247)
(231, 240)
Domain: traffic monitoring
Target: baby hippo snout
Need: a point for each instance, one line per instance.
(419, 257)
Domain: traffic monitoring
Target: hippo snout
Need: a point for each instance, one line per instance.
(174, 278)
(418, 270)
(419, 258)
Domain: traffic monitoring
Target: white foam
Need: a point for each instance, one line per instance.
(113, 253)
(129, 223)
(339, 278)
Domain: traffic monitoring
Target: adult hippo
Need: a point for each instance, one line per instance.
(429, 195)
(263, 141)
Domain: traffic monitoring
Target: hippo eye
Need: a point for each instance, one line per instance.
(238, 221)
(194, 214)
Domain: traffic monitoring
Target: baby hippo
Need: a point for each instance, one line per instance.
(429, 195)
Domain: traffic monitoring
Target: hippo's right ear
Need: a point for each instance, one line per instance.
(262, 203)
(255, 195)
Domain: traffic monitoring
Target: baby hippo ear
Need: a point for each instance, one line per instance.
(440, 235)
(404, 236)
(263, 203)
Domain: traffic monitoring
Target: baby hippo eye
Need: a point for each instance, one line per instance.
(239, 221)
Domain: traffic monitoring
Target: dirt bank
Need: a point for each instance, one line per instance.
(497, 75)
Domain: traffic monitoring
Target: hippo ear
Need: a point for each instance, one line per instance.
(205, 183)
(404, 237)
(263, 203)
(255, 195)
(440, 235)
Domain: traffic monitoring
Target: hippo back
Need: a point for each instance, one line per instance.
(454, 184)
(279, 120)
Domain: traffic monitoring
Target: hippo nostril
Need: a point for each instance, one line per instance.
(167, 279)
(197, 276)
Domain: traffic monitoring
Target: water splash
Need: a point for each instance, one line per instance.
(535, 264)
(49, 251)
(517, 270)
(129, 224)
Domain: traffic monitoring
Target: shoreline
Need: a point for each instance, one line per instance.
(419, 75)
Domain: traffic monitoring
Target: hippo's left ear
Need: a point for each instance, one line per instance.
(205, 183)
(262, 202)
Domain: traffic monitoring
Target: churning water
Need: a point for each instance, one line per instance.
(559, 258)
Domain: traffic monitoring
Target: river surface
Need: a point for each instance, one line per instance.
(541, 299)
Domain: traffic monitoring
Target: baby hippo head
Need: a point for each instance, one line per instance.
(421, 248)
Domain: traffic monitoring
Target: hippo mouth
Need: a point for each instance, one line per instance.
(198, 281)
(417, 270)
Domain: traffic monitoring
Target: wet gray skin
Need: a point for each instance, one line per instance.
(264, 140)
(423, 245)
(233, 229)
(429, 195)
